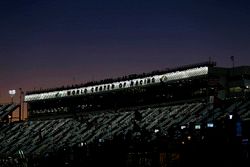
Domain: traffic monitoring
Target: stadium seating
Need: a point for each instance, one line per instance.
(6, 109)
(41, 136)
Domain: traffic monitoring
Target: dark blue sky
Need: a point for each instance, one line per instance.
(48, 43)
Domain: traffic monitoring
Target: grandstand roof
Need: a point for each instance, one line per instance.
(128, 77)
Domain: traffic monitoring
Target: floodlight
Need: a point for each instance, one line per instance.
(12, 92)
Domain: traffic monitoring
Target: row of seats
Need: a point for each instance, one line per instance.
(7, 109)
(38, 137)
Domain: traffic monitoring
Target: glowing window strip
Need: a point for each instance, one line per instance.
(120, 85)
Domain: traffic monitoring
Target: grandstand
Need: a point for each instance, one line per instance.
(172, 117)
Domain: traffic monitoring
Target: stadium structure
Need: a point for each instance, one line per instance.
(194, 115)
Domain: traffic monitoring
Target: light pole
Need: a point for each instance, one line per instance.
(12, 94)
(21, 105)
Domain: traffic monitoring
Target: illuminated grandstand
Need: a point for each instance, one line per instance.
(137, 120)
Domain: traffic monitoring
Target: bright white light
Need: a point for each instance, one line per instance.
(230, 116)
(12, 92)
(183, 127)
(197, 127)
(156, 130)
(189, 137)
(210, 125)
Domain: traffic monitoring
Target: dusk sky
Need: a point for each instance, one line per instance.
(51, 43)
